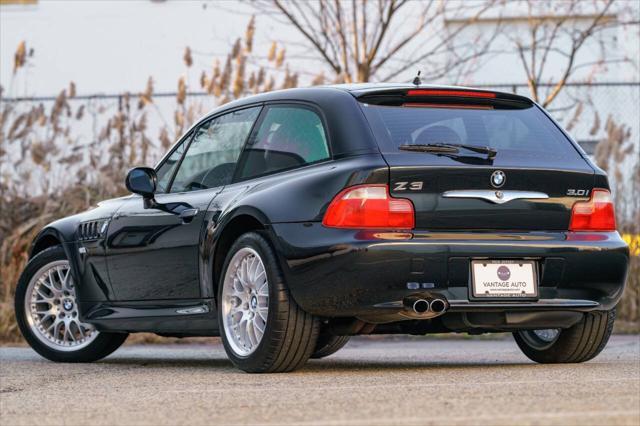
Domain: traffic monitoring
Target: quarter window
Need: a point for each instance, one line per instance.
(167, 169)
(212, 155)
(288, 137)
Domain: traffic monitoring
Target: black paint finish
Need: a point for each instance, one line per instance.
(433, 211)
(149, 264)
(152, 254)
(361, 272)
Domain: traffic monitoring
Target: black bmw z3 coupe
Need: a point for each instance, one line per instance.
(289, 221)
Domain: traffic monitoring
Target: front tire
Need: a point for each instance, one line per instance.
(328, 344)
(579, 343)
(263, 330)
(47, 313)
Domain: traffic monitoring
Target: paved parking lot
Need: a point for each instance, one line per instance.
(370, 382)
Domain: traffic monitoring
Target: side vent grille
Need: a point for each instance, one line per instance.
(92, 230)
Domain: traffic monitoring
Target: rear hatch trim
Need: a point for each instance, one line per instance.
(496, 196)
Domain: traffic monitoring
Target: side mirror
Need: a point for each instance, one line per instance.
(142, 181)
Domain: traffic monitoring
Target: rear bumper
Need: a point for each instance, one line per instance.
(368, 274)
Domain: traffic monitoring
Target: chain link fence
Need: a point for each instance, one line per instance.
(583, 109)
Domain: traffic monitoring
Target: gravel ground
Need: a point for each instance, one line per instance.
(369, 382)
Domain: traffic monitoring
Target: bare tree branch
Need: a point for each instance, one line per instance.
(562, 30)
(446, 43)
(361, 39)
(296, 23)
(577, 43)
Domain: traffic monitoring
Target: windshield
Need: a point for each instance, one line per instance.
(522, 132)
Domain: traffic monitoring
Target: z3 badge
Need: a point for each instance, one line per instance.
(411, 186)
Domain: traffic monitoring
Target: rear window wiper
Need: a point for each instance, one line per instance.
(448, 148)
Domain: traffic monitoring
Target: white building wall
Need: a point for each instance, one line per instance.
(114, 46)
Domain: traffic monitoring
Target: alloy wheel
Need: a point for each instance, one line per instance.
(52, 311)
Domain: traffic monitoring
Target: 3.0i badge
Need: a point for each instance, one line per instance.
(498, 178)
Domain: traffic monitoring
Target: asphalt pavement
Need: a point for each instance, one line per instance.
(370, 382)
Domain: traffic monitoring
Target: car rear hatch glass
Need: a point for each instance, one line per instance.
(540, 173)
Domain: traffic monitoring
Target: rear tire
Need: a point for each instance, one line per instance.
(282, 343)
(579, 343)
(47, 313)
(328, 344)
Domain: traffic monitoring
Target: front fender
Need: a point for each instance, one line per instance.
(47, 237)
(86, 258)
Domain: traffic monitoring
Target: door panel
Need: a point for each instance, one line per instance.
(152, 254)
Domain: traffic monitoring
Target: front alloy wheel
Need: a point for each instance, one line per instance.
(52, 309)
(47, 312)
(263, 330)
(540, 339)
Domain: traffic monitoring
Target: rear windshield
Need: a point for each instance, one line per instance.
(514, 133)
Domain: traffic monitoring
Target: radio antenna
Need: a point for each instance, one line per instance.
(417, 81)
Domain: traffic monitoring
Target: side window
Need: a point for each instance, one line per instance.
(165, 171)
(288, 137)
(212, 155)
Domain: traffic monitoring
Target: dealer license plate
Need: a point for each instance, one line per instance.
(504, 278)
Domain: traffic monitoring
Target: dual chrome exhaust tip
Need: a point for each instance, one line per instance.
(424, 306)
(421, 306)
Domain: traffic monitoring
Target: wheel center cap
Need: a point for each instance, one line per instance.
(254, 302)
(67, 304)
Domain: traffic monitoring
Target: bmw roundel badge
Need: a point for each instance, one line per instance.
(498, 178)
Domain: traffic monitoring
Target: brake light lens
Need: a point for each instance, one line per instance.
(597, 214)
(458, 93)
(369, 206)
(450, 106)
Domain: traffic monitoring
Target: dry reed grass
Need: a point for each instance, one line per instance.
(44, 137)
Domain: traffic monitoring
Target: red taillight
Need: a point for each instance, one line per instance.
(597, 214)
(459, 93)
(369, 206)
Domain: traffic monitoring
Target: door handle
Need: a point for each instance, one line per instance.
(187, 215)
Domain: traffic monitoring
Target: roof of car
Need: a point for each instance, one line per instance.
(336, 101)
(368, 87)
(354, 89)
(359, 89)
